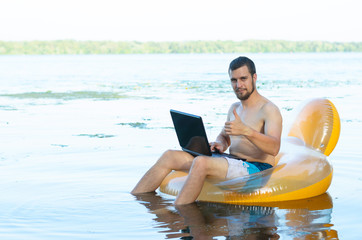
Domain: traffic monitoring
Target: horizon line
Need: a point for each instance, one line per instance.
(165, 41)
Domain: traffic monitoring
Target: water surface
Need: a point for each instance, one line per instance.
(77, 132)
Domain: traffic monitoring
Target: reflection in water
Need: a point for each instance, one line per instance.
(302, 219)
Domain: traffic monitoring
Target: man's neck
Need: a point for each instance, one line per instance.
(251, 101)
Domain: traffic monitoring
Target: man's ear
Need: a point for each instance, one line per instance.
(255, 77)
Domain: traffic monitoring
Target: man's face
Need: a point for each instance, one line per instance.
(242, 82)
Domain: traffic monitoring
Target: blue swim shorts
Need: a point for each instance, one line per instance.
(239, 168)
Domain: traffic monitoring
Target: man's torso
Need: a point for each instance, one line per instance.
(240, 145)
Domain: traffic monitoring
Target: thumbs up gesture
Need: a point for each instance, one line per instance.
(236, 127)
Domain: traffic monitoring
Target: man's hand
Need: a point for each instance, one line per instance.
(217, 147)
(237, 127)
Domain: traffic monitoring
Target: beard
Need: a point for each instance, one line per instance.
(246, 95)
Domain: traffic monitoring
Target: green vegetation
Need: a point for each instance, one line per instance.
(133, 47)
(66, 95)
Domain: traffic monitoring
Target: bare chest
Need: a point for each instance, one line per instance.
(253, 119)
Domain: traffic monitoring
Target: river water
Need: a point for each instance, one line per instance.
(78, 131)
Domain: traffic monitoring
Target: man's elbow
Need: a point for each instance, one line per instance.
(275, 153)
(275, 150)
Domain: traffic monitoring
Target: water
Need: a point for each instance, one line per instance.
(77, 133)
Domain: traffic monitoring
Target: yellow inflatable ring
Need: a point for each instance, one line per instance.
(302, 169)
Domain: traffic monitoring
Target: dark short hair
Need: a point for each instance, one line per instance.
(240, 62)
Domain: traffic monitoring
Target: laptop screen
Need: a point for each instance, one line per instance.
(191, 133)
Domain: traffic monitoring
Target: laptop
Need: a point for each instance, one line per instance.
(191, 135)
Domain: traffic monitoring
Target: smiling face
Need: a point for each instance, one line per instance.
(242, 82)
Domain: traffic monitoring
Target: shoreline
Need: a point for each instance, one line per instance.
(57, 47)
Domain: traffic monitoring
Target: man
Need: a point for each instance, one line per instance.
(252, 131)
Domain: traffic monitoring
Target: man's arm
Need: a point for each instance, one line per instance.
(221, 143)
(269, 141)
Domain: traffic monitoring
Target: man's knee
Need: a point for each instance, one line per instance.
(172, 158)
(170, 154)
(167, 155)
(200, 164)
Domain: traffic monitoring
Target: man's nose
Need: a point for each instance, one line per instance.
(239, 83)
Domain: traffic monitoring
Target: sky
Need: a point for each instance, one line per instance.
(182, 20)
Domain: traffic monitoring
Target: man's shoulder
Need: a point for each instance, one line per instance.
(235, 104)
(231, 109)
(271, 111)
(269, 106)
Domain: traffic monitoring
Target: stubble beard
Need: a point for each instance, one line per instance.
(246, 95)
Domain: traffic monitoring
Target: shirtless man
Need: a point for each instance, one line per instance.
(252, 131)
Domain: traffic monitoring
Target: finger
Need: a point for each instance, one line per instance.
(228, 124)
(212, 146)
(218, 150)
(236, 114)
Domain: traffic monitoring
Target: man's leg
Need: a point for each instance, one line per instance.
(170, 160)
(201, 168)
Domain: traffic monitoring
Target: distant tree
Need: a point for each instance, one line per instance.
(135, 47)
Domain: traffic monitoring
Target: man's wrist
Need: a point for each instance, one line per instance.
(250, 132)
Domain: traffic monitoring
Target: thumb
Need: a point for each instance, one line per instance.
(235, 114)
